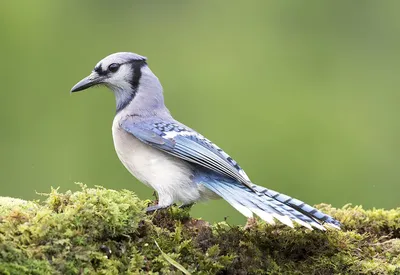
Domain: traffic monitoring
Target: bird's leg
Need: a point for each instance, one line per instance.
(155, 195)
(153, 208)
(186, 205)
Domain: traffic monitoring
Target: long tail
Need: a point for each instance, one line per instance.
(269, 204)
(298, 205)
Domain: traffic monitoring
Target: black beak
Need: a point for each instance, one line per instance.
(89, 81)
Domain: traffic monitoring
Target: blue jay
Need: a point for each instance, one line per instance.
(177, 162)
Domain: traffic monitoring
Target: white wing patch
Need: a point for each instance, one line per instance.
(171, 135)
(172, 130)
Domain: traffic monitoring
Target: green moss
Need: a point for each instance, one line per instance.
(101, 231)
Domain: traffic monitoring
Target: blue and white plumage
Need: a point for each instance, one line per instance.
(176, 161)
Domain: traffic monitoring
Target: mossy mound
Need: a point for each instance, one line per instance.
(101, 231)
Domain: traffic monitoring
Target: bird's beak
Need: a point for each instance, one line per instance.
(89, 81)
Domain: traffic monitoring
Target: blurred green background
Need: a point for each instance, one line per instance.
(303, 94)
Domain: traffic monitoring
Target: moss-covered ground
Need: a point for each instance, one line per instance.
(101, 231)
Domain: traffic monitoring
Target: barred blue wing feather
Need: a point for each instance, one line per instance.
(187, 144)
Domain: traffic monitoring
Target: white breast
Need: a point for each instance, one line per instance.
(171, 177)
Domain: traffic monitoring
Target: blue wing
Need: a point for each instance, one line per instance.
(186, 144)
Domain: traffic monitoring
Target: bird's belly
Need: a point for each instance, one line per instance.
(171, 177)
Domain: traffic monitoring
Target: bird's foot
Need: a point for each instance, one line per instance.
(153, 208)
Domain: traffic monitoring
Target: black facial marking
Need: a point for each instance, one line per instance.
(98, 69)
(136, 66)
(137, 73)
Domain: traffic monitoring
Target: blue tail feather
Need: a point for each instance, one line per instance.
(266, 203)
(299, 205)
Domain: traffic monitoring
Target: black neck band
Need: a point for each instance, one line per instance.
(137, 66)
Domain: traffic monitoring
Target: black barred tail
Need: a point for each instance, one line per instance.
(266, 204)
(298, 205)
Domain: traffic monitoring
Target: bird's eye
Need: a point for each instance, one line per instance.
(113, 67)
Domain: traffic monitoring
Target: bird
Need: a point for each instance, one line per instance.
(180, 164)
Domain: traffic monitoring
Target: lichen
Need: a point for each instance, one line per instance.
(102, 231)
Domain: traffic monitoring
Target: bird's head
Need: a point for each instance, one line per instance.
(125, 74)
